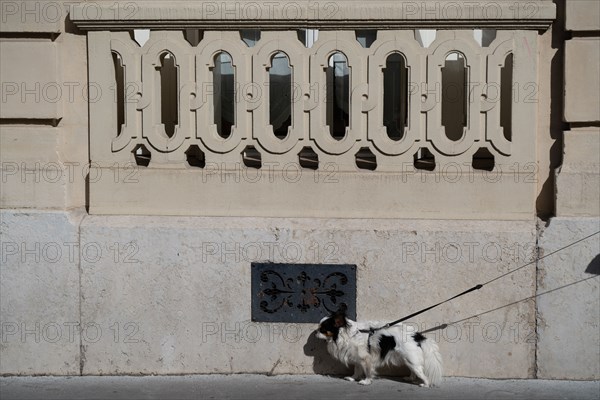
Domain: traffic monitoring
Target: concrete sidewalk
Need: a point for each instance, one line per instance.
(286, 387)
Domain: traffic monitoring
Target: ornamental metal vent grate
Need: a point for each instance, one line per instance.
(302, 293)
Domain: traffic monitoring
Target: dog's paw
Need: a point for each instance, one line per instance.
(364, 382)
(423, 385)
(349, 378)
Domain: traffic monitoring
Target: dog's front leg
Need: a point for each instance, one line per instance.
(358, 373)
(369, 372)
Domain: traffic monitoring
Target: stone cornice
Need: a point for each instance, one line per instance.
(326, 15)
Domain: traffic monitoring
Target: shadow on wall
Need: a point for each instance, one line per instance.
(323, 363)
(594, 266)
(545, 202)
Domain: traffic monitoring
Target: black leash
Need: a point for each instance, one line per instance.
(445, 325)
(372, 330)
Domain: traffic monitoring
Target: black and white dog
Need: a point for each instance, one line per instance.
(389, 346)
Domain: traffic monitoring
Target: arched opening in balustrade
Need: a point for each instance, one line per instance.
(141, 155)
(193, 36)
(425, 36)
(169, 103)
(308, 37)
(483, 160)
(140, 36)
(250, 36)
(506, 96)
(308, 158)
(366, 37)
(252, 157)
(195, 157)
(484, 37)
(455, 95)
(365, 159)
(424, 159)
(280, 95)
(119, 90)
(224, 93)
(338, 95)
(395, 96)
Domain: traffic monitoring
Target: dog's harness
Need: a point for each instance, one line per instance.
(371, 331)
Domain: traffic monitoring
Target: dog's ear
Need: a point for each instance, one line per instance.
(339, 319)
(342, 309)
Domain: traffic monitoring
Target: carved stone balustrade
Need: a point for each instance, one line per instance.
(464, 144)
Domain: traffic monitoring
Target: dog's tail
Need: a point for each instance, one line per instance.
(433, 362)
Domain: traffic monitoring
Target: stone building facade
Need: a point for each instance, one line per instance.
(152, 152)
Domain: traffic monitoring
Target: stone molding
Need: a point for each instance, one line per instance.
(325, 15)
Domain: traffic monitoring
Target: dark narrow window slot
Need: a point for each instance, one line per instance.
(280, 95)
(395, 96)
(506, 96)
(454, 96)
(119, 90)
(338, 95)
(224, 94)
(168, 93)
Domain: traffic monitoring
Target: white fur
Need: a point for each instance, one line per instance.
(351, 348)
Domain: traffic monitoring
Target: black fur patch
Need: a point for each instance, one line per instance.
(328, 327)
(386, 343)
(418, 338)
(333, 324)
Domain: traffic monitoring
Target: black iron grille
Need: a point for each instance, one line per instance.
(302, 292)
